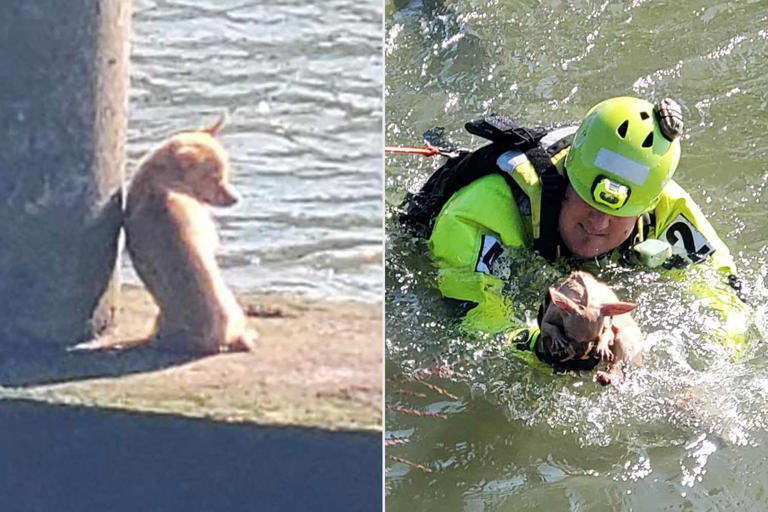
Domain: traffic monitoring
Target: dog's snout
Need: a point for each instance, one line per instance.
(227, 196)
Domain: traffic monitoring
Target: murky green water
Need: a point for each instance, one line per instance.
(688, 430)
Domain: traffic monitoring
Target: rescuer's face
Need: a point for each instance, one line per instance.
(588, 232)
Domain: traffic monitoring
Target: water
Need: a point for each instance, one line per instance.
(301, 84)
(688, 430)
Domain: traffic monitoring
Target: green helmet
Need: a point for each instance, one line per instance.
(624, 153)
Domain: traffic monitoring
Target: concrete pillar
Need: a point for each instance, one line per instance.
(63, 98)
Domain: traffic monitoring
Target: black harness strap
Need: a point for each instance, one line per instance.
(552, 193)
(509, 133)
(505, 133)
(559, 145)
(422, 207)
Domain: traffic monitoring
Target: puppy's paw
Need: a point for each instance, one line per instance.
(604, 352)
(245, 342)
(603, 378)
(559, 344)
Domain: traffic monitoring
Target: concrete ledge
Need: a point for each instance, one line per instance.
(319, 366)
(75, 459)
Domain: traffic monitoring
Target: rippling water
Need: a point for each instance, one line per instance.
(301, 84)
(688, 430)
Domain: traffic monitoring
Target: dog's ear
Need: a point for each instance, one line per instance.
(561, 301)
(616, 308)
(214, 129)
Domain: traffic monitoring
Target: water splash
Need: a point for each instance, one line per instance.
(690, 382)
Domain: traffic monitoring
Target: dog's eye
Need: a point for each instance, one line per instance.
(211, 168)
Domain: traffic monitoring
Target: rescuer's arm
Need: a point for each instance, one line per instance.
(681, 223)
(472, 230)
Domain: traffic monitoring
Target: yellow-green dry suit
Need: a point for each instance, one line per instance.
(484, 218)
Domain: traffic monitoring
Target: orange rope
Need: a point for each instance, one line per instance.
(425, 151)
(414, 412)
(401, 460)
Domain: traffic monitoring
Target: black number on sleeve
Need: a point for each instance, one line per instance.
(493, 253)
(681, 231)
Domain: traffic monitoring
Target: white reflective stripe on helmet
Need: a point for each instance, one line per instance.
(619, 165)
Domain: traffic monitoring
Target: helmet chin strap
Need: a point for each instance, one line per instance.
(640, 229)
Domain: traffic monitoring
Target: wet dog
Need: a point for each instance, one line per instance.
(585, 320)
(172, 240)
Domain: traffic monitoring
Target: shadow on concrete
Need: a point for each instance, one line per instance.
(67, 458)
(32, 366)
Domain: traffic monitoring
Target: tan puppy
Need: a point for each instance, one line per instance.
(172, 241)
(585, 314)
